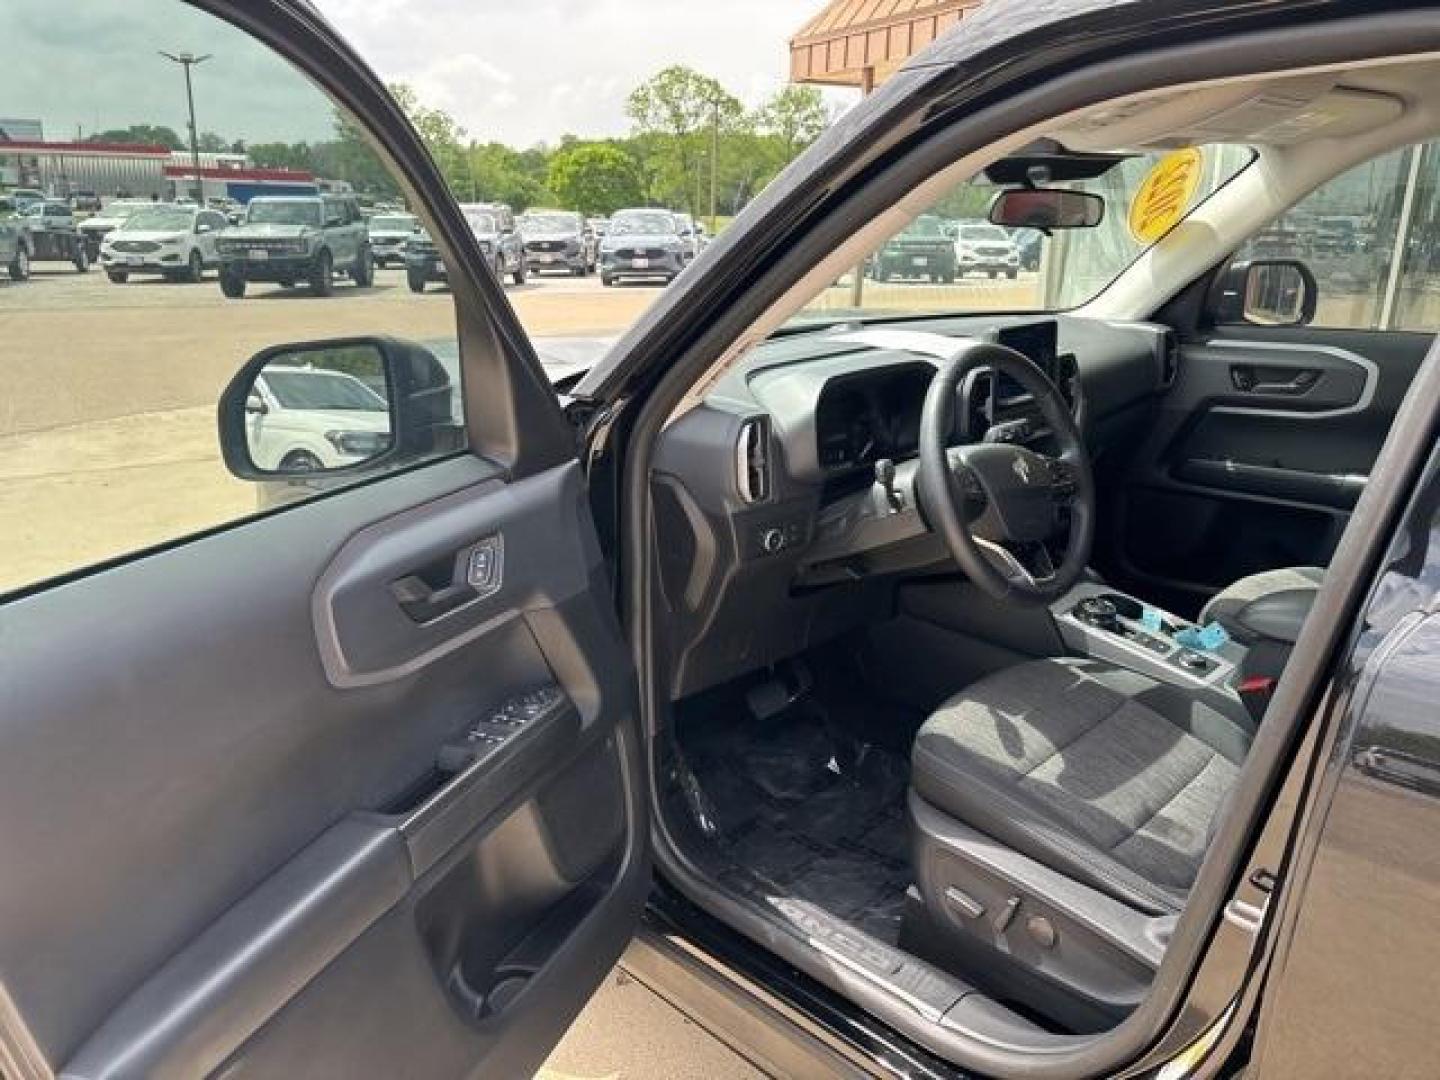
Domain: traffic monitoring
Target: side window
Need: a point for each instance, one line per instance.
(129, 334)
(1371, 237)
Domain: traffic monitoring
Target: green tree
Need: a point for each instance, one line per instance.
(678, 114)
(442, 136)
(794, 118)
(150, 134)
(594, 178)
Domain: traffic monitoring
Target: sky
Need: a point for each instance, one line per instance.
(516, 71)
(528, 71)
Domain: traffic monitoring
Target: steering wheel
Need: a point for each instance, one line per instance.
(995, 504)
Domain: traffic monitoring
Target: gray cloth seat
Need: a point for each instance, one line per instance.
(1270, 605)
(1102, 774)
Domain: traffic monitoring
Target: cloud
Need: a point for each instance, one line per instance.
(568, 64)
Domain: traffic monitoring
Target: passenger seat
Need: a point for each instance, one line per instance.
(1269, 606)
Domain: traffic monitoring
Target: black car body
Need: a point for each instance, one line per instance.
(558, 240)
(642, 243)
(922, 250)
(452, 784)
(296, 239)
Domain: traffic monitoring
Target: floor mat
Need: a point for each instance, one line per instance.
(808, 806)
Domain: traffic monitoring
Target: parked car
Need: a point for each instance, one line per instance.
(95, 228)
(920, 250)
(177, 242)
(642, 243)
(49, 230)
(22, 198)
(558, 240)
(291, 239)
(981, 248)
(493, 225)
(939, 691)
(389, 233)
(689, 232)
(49, 214)
(423, 263)
(15, 247)
(496, 236)
(1029, 245)
(85, 201)
(303, 419)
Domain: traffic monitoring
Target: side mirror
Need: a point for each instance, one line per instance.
(1266, 292)
(343, 408)
(1047, 208)
(255, 404)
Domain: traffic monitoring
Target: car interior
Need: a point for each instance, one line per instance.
(967, 620)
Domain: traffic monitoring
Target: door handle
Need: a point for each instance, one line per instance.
(1245, 379)
(423, 602)
(471, 574)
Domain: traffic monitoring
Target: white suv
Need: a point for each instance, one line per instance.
(175, 241)
(303, 418)
(985, 248)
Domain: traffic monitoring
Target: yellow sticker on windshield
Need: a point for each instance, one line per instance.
(1165, 194)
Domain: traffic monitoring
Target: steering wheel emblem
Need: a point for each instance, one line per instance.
(1022, 469)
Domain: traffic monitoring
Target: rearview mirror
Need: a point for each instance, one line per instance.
(1267, 292)
(343, 407)
(1046, 208)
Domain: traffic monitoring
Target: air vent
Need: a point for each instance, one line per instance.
(752, 460)
(1169, 359)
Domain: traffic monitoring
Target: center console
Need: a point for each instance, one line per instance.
(1096, 620)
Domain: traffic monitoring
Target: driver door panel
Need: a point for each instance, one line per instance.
(296, 870)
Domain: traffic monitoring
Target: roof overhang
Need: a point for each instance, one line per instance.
(862, 42)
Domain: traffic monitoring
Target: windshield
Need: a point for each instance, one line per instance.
(393, 223)
(283, 212)
(311, 390)
(656, 224)
(1032, 271)
(986, 233)
(549, 223)
(481, 224)
(160, 219)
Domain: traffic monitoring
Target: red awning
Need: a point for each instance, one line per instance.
(221, 172)
(862, 42)
(30, 146)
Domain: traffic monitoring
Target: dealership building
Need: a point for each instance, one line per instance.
(139, 170)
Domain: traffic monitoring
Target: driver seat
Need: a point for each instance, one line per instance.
(1060, 811)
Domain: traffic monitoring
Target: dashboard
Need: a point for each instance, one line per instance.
(772, 530)
(866, 415)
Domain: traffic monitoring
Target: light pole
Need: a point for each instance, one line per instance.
(714, 156)
(187, 61)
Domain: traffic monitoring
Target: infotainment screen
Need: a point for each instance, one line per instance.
(1038, 342)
